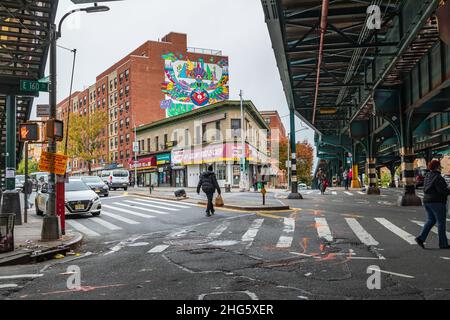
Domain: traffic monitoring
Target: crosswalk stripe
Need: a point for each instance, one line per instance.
(120, 218)
(360, 192)
(138, 208)
(348, 193)
(82, 228)
(172, 202)
(309, 192)
(251, 233)
(106, 224)
(219, 229)
(159, 248)
(434, 229)
(286, 238)
(323, 230)
(129, 212)
(334, 193)
(151, 205)
(161, 203)
(362, 234)
(399, 232)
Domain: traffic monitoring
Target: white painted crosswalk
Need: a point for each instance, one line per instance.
(323, 230)
(251, 233)
(81, 228)
(134, 213)
(286, 238)
(396, 230)
(362, 234)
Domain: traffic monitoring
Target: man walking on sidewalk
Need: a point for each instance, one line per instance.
(208, 183)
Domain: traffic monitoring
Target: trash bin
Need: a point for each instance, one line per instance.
(227, 187)
(6, 232)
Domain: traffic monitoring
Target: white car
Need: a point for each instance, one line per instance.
(119, 178)
(79, 199)
(302, 186)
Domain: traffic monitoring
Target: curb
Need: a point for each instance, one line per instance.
(40, 255)
(252, 208)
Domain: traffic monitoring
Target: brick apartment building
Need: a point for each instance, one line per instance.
(130, 91)
(276, 135)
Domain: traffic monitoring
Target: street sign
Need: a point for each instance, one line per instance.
(33, 86)
(53, 163)
(29, 131)
(43, 110)
(135, 146)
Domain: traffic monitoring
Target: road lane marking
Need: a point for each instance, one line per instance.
(399, 232)
(160, 203)
(129, 212)
(179, 233)
(219, 229)
(106, 224)
(286, 238)
(150, 205)
(309, 192)
(158, 249)
(348, 193)
(334, 193)
(143, 209)
(170, 201)
(82, 228)
(22, 276)
(361, 233)
(120, 218)
(323, 230)
(434, 229)
(8, 286)
(392, 273)
(360, 192)
(251, 233)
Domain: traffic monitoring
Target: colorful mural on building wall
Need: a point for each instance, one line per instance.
(189, 85)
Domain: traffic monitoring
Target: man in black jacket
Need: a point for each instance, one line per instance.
(436, 192)
(208, 183)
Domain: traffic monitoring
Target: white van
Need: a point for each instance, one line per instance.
(105, 176)
(119, 178)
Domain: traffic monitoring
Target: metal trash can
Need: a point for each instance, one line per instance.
(227, 187)
(6, 232)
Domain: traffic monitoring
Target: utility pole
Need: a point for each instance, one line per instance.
(135, 156)
(294, 186)
(243, 181)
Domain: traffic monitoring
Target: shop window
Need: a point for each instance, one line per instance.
(221, 171)
(236, 127)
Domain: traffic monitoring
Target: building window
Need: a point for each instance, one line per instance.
(267, 120)
(157, 143)
(127, 73)
(186, 137)
(128, 137)
(204, 137)
(148, 144)
(110, 85)
(121, 124)
(142, 145)
(165, 140)
(221, 170)
(103, 88)
(121, 139)
(127, 90)
(127, 122)
(235, 127)
(198, 135)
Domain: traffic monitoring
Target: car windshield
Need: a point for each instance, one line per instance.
(120, 173)
(76, 186)
(91, 180)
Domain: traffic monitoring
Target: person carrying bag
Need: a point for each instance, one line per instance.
(208, 183)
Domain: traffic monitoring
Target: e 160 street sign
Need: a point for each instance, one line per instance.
(33, 86)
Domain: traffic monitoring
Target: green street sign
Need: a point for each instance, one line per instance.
(33, 86)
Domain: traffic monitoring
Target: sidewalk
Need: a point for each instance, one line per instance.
(29, 247)
(245, 201)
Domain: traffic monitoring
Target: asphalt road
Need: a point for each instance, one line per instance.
(325, 248)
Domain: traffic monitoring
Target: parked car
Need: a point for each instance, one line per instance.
(420, 173)
(447, 178)
(79, 199)
(20, 181)
(105, 176)
(119, 178)
(38, 178)
(302, 186)
(96, 184)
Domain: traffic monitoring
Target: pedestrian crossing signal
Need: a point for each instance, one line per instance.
(28, 132)
(55, 130)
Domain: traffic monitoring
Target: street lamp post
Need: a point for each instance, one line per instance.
(50, 225)
(243, 179)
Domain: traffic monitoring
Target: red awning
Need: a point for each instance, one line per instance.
(143, 162)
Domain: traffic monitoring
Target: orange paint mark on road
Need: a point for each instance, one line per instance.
(83, 289)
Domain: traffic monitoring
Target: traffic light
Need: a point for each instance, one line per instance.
(55, 129)
(28, 131)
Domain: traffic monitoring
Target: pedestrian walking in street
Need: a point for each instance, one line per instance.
(345, 178)
(436, 192)
(321, 178)
(208, 183)
(349, 178)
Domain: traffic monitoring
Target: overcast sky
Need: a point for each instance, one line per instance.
(236, 27)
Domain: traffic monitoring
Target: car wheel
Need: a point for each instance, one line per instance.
(125, 189)
(106, 195)
(96, 214)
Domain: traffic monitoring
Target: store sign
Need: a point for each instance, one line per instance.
(163, 159)
(217, 153)
(143, 163)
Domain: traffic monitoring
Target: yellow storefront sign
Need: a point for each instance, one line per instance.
(53, 163)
